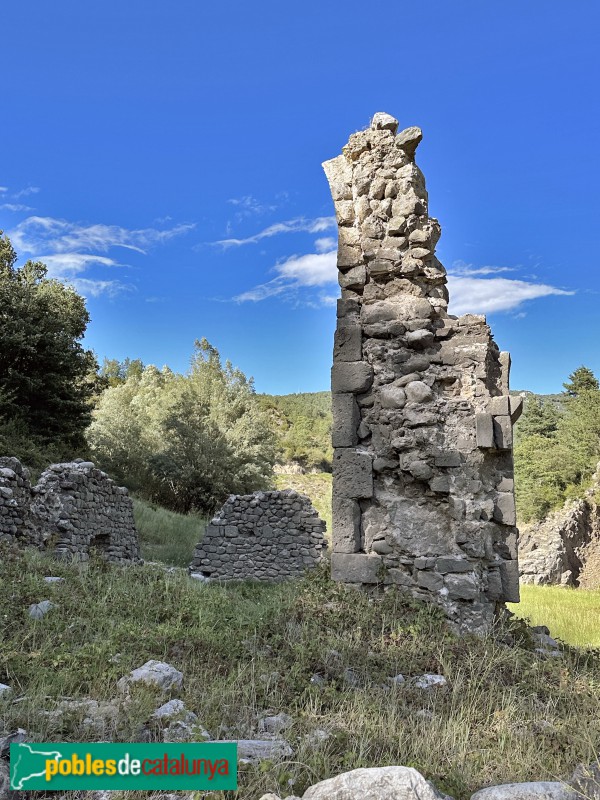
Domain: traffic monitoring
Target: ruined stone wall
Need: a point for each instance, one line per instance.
(73, 511)
(422, 418)
(265, 536)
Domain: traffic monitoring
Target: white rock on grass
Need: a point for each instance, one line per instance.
(429, 681)
(377, 783)
(53, 579)
(153, 673)
(39, 610)
(5, 690)
(535, 790)
(173, 708)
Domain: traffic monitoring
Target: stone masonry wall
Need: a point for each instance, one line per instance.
(422, 417)
(265, 536)
(74, 510)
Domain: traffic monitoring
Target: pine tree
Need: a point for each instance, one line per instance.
(582, 380)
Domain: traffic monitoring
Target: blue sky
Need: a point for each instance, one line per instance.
(165, 158)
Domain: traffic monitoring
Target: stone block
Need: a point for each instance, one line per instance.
(451, 458)
(346, 419)
(499, 405)
(516, 408)
(446, 564)
(345, 525)
(348, 257)
(504, 359)
(462, 587)
(351, 376)
(509, 573)
(352, 474)
(357, 568)
(484, 427)
(355, 278)
(504, 508)
(432, 581)
(503, 435)
(440, 484)
(347, 343)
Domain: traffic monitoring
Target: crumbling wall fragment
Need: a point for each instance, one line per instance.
(266, 536)
(422, 417)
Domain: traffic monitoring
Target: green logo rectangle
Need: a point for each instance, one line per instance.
(87, 766)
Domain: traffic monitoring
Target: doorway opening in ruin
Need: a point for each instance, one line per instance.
(99, 544)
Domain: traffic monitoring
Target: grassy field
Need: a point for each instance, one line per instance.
(316, 486)
(573, 615)
(247, 650)
(166, 536)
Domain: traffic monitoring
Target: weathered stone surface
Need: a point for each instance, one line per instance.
(346, 525)
(564, 548)
(154, 673)
(356, 568)
(352, 473)
(534, 790)
(346, 419)
(75, 511)
(351, 376)
(265, 536)
(423, 483)
(376, 783)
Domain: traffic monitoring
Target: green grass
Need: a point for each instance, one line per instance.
(571, 614)
(316, 486)
(250, 649)
(165, 535)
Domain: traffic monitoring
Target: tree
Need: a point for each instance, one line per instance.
(185, 441)
(46, 376)
(582, 380)
(540, 418)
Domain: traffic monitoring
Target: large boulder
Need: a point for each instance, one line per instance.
(377, 783)
(533, 790)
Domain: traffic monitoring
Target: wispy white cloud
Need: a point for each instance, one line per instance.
(488, 295)
(3, 189)
(249, 206)
(36, 234)
(15, 207)
(89, 287)
(462, 268)
(295, 273)
(26, 192)
(299, 225)
(64, 265)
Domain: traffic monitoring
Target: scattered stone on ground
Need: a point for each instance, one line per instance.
(376, 783)
(534, 790)
(586, 781)
(5, 690)
(39, 610)
(275, 724)
(429, 681)
(53, 579)
(153, 673)
(255, 750)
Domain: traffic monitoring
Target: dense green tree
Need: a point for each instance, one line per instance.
(46, 376)
(582, 380)
(114, 372)
(540, 418)
(185, 441)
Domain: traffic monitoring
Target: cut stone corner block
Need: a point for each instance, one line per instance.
(345, 534)
(357, 568)
(509, 575)
(352, 473)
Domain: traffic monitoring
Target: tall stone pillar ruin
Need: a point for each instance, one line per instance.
(423, 493)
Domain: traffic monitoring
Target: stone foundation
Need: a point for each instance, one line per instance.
(422, 417)
(265, 536)
(75, 510)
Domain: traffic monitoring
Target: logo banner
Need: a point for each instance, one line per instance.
(106, 765)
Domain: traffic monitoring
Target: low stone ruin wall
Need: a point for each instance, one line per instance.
(73, 511)
(266, 536)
